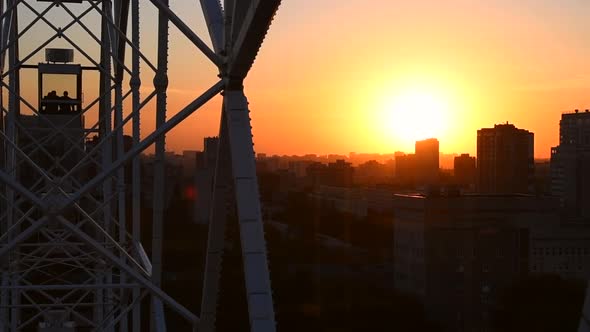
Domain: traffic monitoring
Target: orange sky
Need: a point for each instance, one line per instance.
(331, 74)
(523, 63)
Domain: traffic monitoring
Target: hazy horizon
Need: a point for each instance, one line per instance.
(341, 76)
(331, 74)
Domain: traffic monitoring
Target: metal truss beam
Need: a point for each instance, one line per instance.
(188, 32)
(83, 247)
(215, 23)
(216, 238)
(259, 293)
(252, 31)
(149, 140)
(131, 272)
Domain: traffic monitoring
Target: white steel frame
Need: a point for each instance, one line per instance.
(106, 272)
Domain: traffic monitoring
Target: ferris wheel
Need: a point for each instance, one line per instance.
(73, 81)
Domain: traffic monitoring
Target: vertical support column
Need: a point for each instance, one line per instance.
(3, 204)
(260, 303)
(161, 85)
(4, 302)
(215, 20)
(121, 206)
(216, 238)
(2, 57)
(13, 113)
(105, 127)
(118, 52)
(135, 84)
(585, 315)
(4, 31)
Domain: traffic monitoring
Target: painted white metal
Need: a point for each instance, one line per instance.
(78, 224)
(259, 293)
(135, 84)
(162, 5)
(105, 128)
(585, 316)
(161, 86)
(241, 24)
(216, 239)
(14, 107)
(214, 17)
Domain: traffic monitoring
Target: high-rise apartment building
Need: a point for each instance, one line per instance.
(570, 164)
(420, 168)
(427, 161)
(465, 170)
(505, 160)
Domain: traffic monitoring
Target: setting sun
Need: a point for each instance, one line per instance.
(414, 114)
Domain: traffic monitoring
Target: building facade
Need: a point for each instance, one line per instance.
(336, 174)
(465, 170)
(570, 164)
(505, 160)
(456, 252)
(561, 249)
(427, 161)
(420, 168)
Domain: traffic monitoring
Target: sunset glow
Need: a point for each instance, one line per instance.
(524, 63)
(414, 114)
(410, 70)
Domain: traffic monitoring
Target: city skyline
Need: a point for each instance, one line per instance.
(528, 72)
(388, 162)
(455, 74)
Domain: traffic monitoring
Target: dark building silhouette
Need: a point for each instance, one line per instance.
(340, 174)
(316, 173)
(204, 178)
(542, 177)
(336, 174)
(456, 252)
(465, 170)
(505, 160)
(420, 168)
(373, 172)
(405, 168)
(570, 164)
(427, 168)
